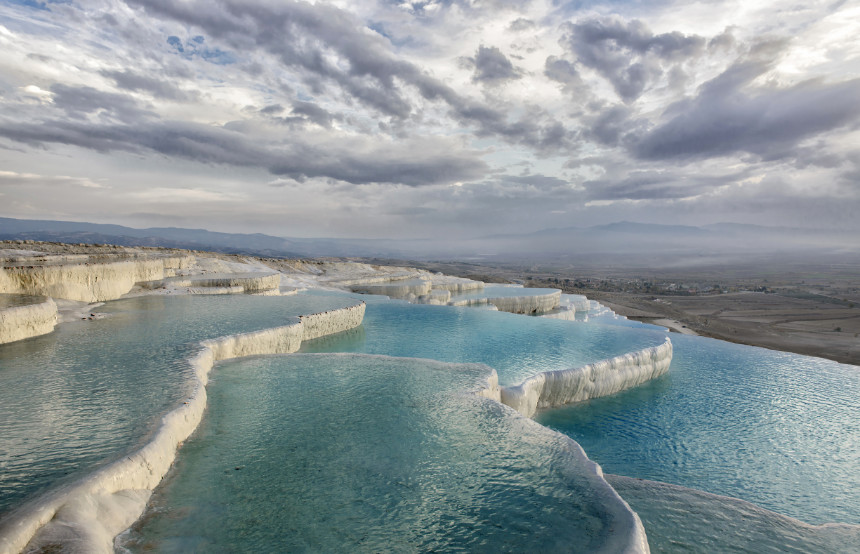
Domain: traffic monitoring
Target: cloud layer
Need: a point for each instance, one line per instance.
(436, 119)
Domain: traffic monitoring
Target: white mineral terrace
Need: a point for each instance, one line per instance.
(86, 516)
(533, 304)
(29, 317)
(556, 388)
(426, 289)
(230, 282)
(567, 313)
(422, 287)
(93, 280)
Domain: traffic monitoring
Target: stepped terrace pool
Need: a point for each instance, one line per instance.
(93, 389)
(291, 422)
(777, 429)
(344, 453)
(516, 346)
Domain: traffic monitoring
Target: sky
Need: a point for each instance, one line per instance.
(437, 119)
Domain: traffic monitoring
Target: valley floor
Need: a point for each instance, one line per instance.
(772, 321)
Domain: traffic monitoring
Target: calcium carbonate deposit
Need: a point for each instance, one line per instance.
(22, 317)
(395, 425)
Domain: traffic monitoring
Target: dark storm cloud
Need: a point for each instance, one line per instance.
(492, 66)
(731, 115)
(356, 163)
(627, 54)
(157, 87)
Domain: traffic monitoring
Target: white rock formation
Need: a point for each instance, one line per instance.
(557, 388)
(415, 288)
(87, 515)
(346, 274)
(331, 322)
(534, 304)
(455, 284)
(567, 313)
(87, 281)
(28, 320)
(231, 283)
(577, 301)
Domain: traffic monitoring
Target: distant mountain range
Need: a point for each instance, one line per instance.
(620, 241)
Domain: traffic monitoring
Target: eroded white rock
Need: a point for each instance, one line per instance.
(557, 388)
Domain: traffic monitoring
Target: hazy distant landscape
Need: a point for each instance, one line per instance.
(625, 245)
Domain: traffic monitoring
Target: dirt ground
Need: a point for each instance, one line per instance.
(800, 325)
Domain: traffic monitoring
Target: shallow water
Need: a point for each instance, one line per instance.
(679, 519)
(516, 346)
(777, 429)
(343, 453)
(93, 389)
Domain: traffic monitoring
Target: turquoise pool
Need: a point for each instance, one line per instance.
(91, 390)
(775, 429)
(346, 453)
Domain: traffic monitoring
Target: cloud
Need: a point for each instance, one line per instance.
(14, 178)
(79, 102)
(655, 185)
(733, 114)
(602, 110)
(411, 163)
(183, 195)
(564, 72)
(305, 37)
(491, 66)
(521, 24)
(157, 87)
(608, 126)
(309, 37)
(309, 111)
(627, 54)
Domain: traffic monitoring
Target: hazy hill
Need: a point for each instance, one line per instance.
(619, 243)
